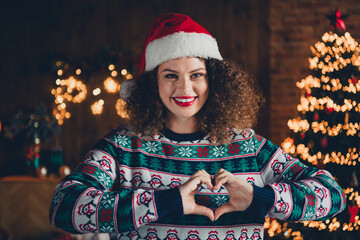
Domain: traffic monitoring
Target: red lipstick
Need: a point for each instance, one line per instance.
(184, 101)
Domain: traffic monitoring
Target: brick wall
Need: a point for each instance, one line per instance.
(295, 25)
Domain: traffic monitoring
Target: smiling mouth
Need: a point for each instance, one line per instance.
(184, 101)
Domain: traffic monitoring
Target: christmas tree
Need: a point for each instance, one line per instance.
(326, 132)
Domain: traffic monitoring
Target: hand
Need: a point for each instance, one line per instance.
(188, 190)
(241, 193)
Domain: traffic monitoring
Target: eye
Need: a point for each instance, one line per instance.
(196, 75)
(171, 76)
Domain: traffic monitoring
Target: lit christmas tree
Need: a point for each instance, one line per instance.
(327, 131)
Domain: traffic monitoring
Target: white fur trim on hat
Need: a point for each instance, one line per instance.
(180, 44)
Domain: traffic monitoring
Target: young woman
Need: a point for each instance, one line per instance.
(188, 165)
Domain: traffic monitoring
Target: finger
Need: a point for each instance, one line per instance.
(207, 181)
(201, 172)
(205, 172)
(222, 210)
(221, 171)
(196, 182)
(221, 180)
(201, 210)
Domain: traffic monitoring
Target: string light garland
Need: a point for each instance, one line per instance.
(335, 84)
(302, 125)
(324, 53)
(350, 158)
(70, 90)
(312, 103)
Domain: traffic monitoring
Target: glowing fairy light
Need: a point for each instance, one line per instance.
(96, 91)
(323, 53)
(111, 67)
(298, 125)
(111, 86)
(114, 73)
(302, 125)
(71, 90)
(312, 103)
(124, 72)
(129, 76)
(97, 107)
(120, 108)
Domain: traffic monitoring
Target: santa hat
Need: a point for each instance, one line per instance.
(173, 36)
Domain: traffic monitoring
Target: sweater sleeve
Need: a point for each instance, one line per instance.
(301, 192)
(89, 201)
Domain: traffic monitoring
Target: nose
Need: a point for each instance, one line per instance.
(185, 83)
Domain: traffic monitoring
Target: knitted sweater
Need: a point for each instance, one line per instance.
(128, 186)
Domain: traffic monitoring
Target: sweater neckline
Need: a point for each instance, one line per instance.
(183, 136)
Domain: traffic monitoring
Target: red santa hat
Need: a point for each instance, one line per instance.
(174, 36)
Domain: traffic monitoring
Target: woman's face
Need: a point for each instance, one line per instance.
(183, 86)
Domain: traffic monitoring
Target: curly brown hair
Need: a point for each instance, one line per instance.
(233, 101)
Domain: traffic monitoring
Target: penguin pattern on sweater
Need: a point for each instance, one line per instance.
(127, 185)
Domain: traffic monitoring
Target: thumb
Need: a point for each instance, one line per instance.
(222, 210)
(202, 210)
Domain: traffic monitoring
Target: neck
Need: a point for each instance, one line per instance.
(188, 125)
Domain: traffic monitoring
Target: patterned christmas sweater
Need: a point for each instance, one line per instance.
(128, 186)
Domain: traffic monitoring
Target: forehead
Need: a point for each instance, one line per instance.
(188, 63)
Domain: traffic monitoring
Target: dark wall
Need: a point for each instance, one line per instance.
(35, 33)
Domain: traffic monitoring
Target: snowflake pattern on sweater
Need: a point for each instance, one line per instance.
(128, 186)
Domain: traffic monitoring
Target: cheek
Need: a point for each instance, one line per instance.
(204, 89)
(163, 91)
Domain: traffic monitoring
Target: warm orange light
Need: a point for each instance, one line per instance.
(110, 85)
(120, 108)
(97, 107)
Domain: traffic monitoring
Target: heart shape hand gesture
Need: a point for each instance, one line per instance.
(240, 192)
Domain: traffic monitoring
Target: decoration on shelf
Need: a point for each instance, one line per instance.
(36, 127)
(33, 155)
(56, 159)
(42, 172)
(64, 171)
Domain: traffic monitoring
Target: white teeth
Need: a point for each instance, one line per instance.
(184, 99)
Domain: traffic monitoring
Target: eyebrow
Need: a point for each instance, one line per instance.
(170, 70)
